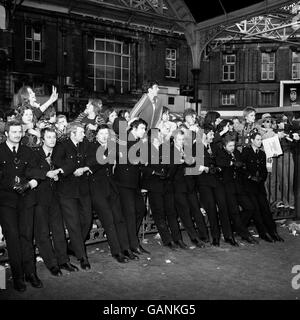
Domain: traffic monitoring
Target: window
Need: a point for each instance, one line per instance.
(109, 64)
(33, 43)
(267, 98)
(171, 55)
(295, 65)
(171, 100)
(228, 99)
(229, 61)
(268, 66)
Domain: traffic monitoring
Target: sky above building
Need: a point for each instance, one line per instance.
(203, 10)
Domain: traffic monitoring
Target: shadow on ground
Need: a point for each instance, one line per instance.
(248, 272)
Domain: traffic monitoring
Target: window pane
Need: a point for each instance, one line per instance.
(118, 61)
(37, 36)
(110, 47)
(125, 74)
(110, 61)
(100, 58)
(37, 56)
(100, 72)
(28, 44)
(37, 46)
(118, 47)
(28, 55)
(118, 73)
(100, 45)
(110, 73)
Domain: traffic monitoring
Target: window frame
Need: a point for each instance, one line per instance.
(265, 66)
(32, 42)
(230, 65)
(169, 75)
(112, 67)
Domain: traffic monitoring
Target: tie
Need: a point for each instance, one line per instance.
(48, 158)
(256, 151)
(14, 151)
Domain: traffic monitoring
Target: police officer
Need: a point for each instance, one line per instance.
(127, 177)
(256, 175)
(155, 182)
(229, 160)
(73, 190)
(105, 195)
(17, 202)
(212, 194)
(48, 216)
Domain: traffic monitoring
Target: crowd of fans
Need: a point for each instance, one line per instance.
(230, 186)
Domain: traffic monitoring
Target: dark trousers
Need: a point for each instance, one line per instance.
(52, 249)
(17, 226)
(262, 215)
(182, 208)
(141, 209)
(170, 210)
(110, 214)
(77, 215)
(210, 198)
(128, 199)
(156, 201)
(234, 200)
(197, 215)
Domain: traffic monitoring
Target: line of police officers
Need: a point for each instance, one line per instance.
(42, 191)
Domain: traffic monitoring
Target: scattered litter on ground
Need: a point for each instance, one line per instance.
(255, 235)
(168, 261)
(97, 249)
(192, 247)
(101, 251)
(145, 265)
(148, 258)
(294, 228)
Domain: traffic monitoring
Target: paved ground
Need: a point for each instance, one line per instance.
(248, 272)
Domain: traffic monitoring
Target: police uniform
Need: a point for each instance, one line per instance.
(74, 193)
(48, 217)
(17, 210)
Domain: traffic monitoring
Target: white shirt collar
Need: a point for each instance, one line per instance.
(11, 145)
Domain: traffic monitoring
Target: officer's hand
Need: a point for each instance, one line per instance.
(21, 188)
(51, 174)
(78, 172)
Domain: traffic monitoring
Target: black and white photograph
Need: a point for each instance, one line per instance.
(149, 154)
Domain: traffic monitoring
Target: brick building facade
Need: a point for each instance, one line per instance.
(96, 48)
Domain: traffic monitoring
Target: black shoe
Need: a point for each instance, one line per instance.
(121, 258)
(129, 254)
(172, 245)
(198, 243)
(19, 285)
(34, 280)
(84, 264)
(55, 271)
(231, 241)
(68, 267)
(266, 237)
(250, 240)
(276, 237)
(216, 242)
(143, 250)
(181, 244)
